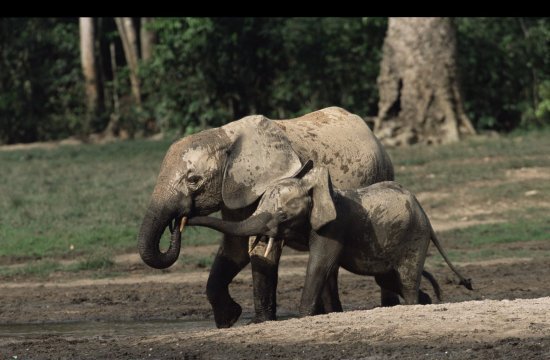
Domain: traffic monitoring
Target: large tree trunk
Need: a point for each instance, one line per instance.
(420, 99)
(147, 38)
(91, 83)
(128, 36)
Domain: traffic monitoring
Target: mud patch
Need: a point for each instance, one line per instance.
(468, 324)
(474, 329)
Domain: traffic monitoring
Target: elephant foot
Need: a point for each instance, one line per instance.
(304, 311)
(262, 318)
(226, 316)
(423, 298)
(389, 299)
(256, 320)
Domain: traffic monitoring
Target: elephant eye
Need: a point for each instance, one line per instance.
(194, 179)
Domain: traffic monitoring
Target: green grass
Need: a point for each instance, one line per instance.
(524, 237)
(429, 168)
(44, 268)
(97, 263)
(490, 253)
(78, 202)
(485, 254)
(484, 162)
(85, 203)
(501, 233)
(38, 269)
(513, 191)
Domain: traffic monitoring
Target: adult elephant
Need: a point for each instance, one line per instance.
(228, 169)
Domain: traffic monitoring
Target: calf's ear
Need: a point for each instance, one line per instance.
(323, 210)
(304, 170)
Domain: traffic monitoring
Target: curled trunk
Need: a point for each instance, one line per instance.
(149, 236)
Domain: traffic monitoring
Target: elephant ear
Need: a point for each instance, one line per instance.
(323, 210)
(304, 170)
(260, 155)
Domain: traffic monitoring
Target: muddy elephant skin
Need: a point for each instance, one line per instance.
(228, 169)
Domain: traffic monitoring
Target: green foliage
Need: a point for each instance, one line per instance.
(40, 82)
(208, 71)
(330, 61)
(178, 92)
(543, 108)
(505, 68)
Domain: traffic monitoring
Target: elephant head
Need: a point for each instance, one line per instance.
(230, 166)
(306, 196)
(299, 203)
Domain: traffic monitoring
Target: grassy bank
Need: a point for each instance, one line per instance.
(85, 203)
(78, 202)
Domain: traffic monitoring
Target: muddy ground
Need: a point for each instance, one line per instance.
(114, 311)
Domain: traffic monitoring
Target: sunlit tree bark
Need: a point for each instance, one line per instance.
(128, 36)
(420, 99)
(89, 67)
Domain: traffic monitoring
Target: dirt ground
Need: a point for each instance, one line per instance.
(484, 323)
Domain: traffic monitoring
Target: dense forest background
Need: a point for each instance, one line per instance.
(203, 72)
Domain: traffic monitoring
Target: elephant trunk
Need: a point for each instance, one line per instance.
(149, 237)
(254, 225)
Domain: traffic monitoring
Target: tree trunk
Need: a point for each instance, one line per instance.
(128, 36)
(89, 70)
(420, 99)
(113, 127)
(147, 38)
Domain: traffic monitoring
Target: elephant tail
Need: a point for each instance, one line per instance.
(467, 283)
(434, 283)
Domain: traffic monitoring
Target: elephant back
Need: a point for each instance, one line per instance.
(342, 142)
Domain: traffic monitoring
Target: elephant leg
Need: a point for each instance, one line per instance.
(423, 298)
(324, 254)
(388, 298)
(389, 288)
(231, 258)
(410, 272)
(410, 294)
(264, 278)
(330, 299)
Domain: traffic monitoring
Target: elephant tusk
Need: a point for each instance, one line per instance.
(182, 223)
(253, 245)
(269, 246)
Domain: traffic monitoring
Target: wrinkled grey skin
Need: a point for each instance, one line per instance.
(380, 230)
(229, 168)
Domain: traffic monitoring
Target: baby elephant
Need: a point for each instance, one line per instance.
(380, 230)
